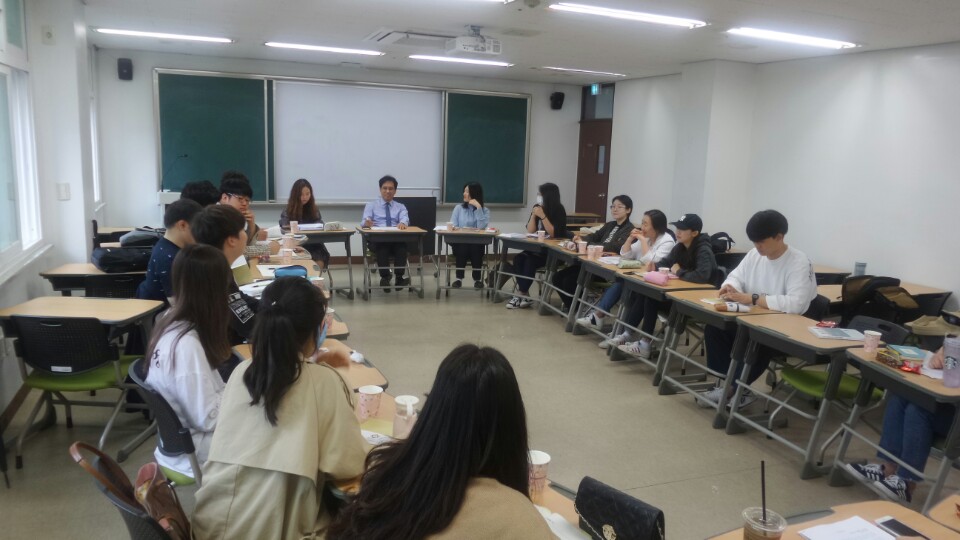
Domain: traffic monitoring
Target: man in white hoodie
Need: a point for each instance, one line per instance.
(773, 275)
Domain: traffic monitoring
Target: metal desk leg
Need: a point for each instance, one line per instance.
(742, 347)
(420, 265)
(496, 275)
(346, 243)
(576, 301)
(838, 477)
(670, 340)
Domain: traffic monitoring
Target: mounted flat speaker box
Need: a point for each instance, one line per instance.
(125, 69)
(556, 101)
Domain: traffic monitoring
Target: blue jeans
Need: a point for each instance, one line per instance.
(526, 264)
(610, 297)
(908, 432)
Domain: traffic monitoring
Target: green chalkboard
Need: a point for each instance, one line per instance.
(486, 142)
(209, 124)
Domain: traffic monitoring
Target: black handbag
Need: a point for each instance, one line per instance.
(608, 514)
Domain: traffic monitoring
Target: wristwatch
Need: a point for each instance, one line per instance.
(755, 297)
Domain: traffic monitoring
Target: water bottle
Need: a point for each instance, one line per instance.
(951, 361)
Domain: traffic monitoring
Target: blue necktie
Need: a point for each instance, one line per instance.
(386, 208)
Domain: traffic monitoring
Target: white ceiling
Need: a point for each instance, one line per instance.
(532, 37)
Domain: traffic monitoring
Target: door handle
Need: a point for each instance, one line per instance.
(601, 195)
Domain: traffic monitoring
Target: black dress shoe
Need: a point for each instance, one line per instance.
(384, 282)
(456, 284)
(478, 284)
(402, 281)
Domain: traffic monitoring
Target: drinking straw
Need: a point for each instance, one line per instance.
(763, 488)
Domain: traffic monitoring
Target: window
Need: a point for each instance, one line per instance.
(599, 107)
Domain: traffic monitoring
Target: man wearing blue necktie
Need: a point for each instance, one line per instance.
(386, 212)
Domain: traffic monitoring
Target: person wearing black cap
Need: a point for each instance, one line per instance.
(696, 263)
(772, 275)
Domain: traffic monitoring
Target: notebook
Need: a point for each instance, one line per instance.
(855, 528)
(836, 333)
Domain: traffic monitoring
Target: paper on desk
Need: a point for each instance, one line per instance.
(609, 260)
(440, 228)
(310, 226)
(713, 301)
(255, 289)
(384, 228)
(855, 528)
(375, 438)
(241, 261)
(560, 526)
(266, 270)
(514, 235)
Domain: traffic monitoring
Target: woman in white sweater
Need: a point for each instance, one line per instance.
(188, 346)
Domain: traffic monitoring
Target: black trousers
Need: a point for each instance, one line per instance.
(719, 345)
(566, 280)
(385, 250)
(468, 252)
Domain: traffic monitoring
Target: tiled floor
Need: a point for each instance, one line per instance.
(594, 417)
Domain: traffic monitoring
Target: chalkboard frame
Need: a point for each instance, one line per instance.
(270, 187)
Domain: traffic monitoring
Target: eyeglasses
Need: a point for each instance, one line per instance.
(617, 207)
(241, 198)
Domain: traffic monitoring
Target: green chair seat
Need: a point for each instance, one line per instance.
(177, 478)
(100, 378)
(812, 382)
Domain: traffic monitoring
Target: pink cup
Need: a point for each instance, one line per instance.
(369, 400)
(541, 235)
(538, 464)
(582, 248)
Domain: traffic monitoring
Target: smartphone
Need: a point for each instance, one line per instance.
(631, 273)
(898, 528)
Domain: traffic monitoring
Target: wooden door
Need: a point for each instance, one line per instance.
(593, 166)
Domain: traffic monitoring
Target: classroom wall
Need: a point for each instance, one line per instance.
(128, 133)
(860, 152)
(644, 142)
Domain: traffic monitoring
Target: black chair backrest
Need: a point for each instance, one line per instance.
(112, 285)
(859, 290)
(890, 333)
(63, 346)
(139, 524)
(175, 440)
(932, 304)
(818, 309)
(719, 276)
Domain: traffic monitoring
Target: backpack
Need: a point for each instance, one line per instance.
(142, 237)
(121, 260)
(721, 242)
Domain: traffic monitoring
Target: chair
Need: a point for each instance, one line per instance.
(67, 355)
(896, 304)
(174, 439)
(932, 304)
(112, 285)
(812, 382)
(114, 484)
(857, 291)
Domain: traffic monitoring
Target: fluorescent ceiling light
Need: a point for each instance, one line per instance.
(322, 48)
(585, 71)
(629, 15)
(162, 35)
(460, 60)
(791, 38)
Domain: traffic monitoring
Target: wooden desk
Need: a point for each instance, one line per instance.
(520, 243)
(461, 236)
(558, 503)
(577, 218)
(921, 391)
(69, 277)
(835, 292)
(688, 306)
(355, 374)
(328, 237)
(556, 254)
(945, 513)
(114, 230)
(829, 270)
(112, 311)
(791, 335)
(410, 234)
(869, 511)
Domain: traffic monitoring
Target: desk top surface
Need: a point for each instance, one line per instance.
(113, 230)
(107, 310)
(695, 298)
(76, 270)
(930, 386)
(832, 292)
(870, 511)
(465, 231)
(835, 292)
(341, 232)
(824, 269)
(796, 328)
(408, 230)
(355, 374)
(945, 513)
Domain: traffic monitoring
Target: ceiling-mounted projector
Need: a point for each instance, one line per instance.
(474, 44)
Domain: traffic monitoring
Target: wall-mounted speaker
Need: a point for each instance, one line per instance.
(125, 69)
(556, 101)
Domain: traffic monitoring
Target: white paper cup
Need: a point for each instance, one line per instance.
(369, 402)
(288, 242)
(449, 225)
(286, 256)
(405, 416)
(582, 248)
(294, 227)
(871, 341)
(664, 269)
(541, 235)
(538, 462)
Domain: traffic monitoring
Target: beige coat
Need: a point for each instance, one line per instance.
(264, 481)
(492, 511)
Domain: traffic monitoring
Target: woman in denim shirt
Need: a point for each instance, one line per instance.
(472, 214)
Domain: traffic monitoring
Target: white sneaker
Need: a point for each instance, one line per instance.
(638, 348)
(746, 397)
(519, 302)
(710, 398)
(513, 303)
(591, 321)
(614, 341)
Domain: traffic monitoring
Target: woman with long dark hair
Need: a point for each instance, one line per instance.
(286, 427)
(462, 472)
(649, 243)
(189, 344)
(550, 216)
(472, 214)
(302, 208)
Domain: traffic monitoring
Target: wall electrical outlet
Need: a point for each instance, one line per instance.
(63, 191)
(46, 35)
